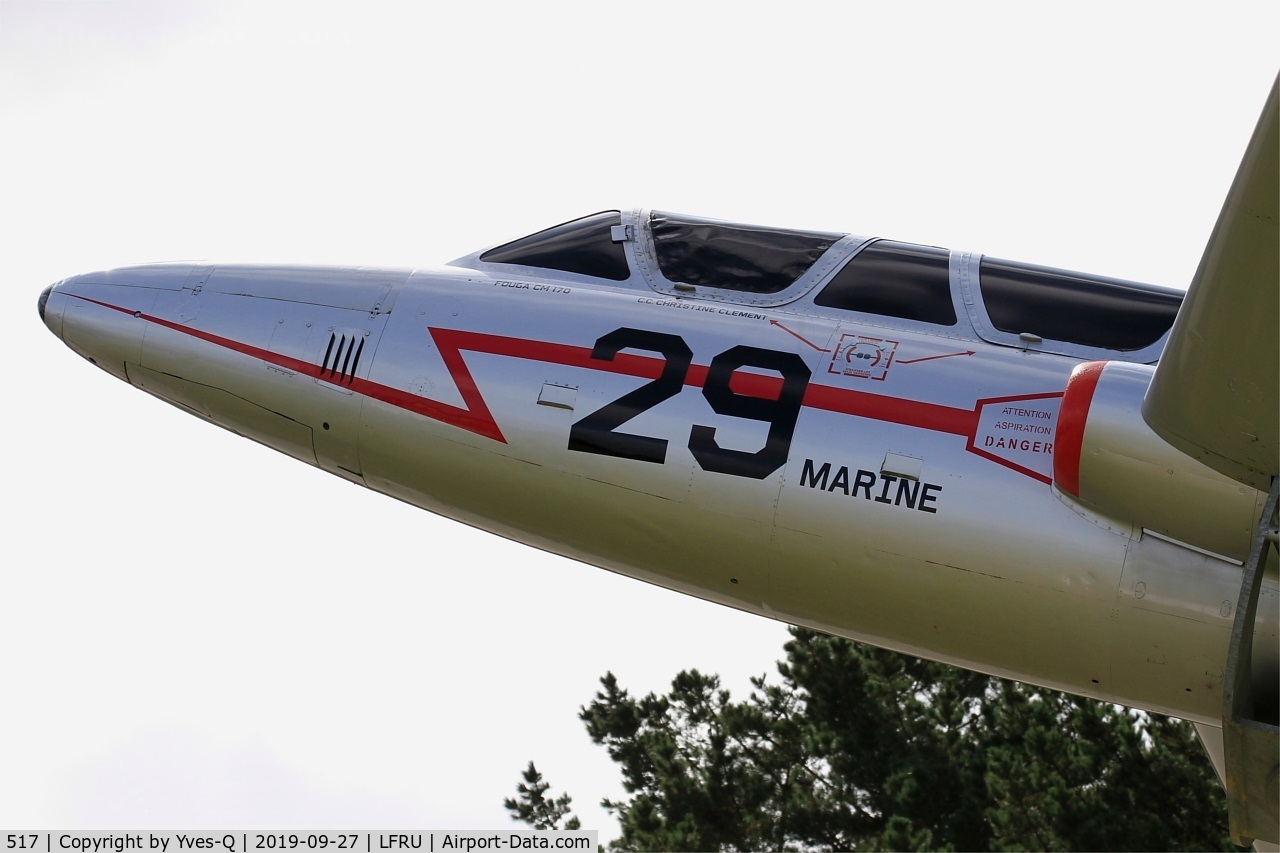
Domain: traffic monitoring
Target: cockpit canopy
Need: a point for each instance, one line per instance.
(745, 258)
(831, 273)
(699, 252)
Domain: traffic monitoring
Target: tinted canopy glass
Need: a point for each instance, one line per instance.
(894, 280)
(584, 246)
(1076, 308)
(747, 258)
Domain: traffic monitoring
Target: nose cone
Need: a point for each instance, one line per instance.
(51, 316)
(44, 300)
(97, 316)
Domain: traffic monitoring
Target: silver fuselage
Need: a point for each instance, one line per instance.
(885, 480)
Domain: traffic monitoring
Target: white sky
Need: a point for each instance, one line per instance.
(197, 632)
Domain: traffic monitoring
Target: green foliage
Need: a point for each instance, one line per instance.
(534, 808)
(863, 749)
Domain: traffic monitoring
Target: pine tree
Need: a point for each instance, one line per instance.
(859, 748)
(536, 809)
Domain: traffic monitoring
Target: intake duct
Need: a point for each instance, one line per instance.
(1106, 457)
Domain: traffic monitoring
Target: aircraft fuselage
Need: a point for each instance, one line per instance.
(886, 478)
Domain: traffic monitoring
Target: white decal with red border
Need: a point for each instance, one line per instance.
(1018, 432)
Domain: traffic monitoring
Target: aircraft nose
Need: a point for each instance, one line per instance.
(97, 318)
(88, 311)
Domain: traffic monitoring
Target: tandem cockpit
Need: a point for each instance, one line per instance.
(890, 284)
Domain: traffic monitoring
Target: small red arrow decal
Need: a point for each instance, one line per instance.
(794, 335)
(932, 357)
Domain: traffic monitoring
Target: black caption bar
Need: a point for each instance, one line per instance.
(239, 841)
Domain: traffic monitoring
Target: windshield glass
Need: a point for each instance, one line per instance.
(584, 246)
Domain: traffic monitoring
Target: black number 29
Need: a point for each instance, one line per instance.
(597, 432)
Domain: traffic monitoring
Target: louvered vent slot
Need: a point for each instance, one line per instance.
(341, 358)
(355, 362)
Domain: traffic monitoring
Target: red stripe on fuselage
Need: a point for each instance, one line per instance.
(931, 416)
(474, 415)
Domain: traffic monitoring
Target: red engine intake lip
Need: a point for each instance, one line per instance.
(1068, 442)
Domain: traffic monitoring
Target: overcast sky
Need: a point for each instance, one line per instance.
(197, 632)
